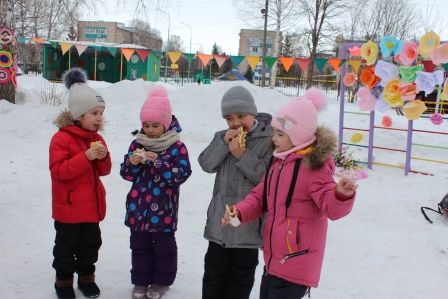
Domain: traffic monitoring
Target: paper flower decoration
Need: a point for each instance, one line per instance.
(5, 59)
(369, 52)
(386, 121)
(392, 95)
(428, 43)
(366, 100)
(427, 81)
(386, 71)
(408, 53)
(349, 79)
(390, 44)
(355, 51)
(409, 73)
(440, 54)
(444, 93)
(408, 91)
(414, 109)
(436, 118)
(357, 137)
(368, 77)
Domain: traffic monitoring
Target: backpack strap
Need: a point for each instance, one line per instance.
(265, 188)
(426, 216)
(292, 185)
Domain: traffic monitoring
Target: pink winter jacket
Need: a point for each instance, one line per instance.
(294, 246)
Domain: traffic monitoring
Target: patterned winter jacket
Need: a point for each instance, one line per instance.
(234, 179)
(294, 240)
(152, 203)
(77, 192)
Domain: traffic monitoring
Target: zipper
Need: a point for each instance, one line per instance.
(288, 256)
(273, 220)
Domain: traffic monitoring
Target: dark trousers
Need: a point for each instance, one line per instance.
(76, 248)
(228, 272)
(154, 258)
(273, 287)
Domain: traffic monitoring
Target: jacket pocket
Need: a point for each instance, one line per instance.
(292, 255)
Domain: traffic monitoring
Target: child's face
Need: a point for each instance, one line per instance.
(153, 129)
(281, 141)
(92, 120)
(236, 120)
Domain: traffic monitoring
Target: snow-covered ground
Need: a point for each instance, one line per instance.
(383, 249)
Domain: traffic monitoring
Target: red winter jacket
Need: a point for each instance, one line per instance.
(77, 191)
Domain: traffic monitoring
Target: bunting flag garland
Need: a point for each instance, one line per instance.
(205, 58)
(189, 56)
(270, 61)
(253, 61)
(65, 47)
(320, 63)
(80, 49)
(355, 64)
(54, 44)
(127, 53)
(174, 56)
(220, 59)
(236, 60)
(287, 62)
(112, 50)
(335, 63)
(303, 63)
(143, 54)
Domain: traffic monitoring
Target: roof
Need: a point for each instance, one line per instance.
(101, 44)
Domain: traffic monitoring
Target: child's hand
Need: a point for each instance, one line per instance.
(230, 135)
(230, 217)
(135, 159)
(235, 148)
(151, 156)
(101, 152)
(91, 154)
(346, 187)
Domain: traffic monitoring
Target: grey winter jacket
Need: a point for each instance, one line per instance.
(234, 179)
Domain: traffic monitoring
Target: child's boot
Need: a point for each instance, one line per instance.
(87, 285)
(156, 291)
(139, 292)
(64, 288)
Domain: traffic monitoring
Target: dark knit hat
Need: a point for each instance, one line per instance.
(238, 100)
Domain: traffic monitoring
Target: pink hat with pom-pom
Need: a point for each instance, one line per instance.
(298, 118)
(157, 107)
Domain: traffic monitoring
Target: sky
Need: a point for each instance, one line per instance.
(205, 22)
(383, 249)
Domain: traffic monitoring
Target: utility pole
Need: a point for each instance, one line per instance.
(167, 42)
(264, 11)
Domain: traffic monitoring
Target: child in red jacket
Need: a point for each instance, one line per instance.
(78, 157)
(297, 197)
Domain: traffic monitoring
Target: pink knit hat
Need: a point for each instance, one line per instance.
(157, 107)
(298, 118)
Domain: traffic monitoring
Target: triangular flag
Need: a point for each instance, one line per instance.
(127, 53)
(97, 48)
(174, 56)
(143, 54)
(270, 61)
(189, 56)
(236, 60)
(445, 66)
(220, 59)
(320, 63)
(356, 64)
(335, 63)
(65, 47)
(287, 62)
(205, 58)
(112, 50)
(253, 61)
(80, 49)
(303, 63)
(54, 44)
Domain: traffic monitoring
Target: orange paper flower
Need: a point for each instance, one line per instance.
(349, 79)
(368, 77)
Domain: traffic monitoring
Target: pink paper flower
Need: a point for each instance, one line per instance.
(349, 79)
(437, 118)
(387, 121)
(366, 100)
(408, 54)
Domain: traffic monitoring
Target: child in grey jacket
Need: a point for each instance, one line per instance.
(239, 156)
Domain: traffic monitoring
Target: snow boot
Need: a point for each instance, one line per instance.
(156, 291)
(139, 292)
(64, 288)
(88, 287)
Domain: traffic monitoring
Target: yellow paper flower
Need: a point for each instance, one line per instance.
(414, 109)
(392, 95)
(369, 52)
(428, 43)
(357, 137)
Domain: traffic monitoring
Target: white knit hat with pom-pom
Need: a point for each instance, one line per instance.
(81, 97)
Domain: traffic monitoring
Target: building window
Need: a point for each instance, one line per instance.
(95, 32)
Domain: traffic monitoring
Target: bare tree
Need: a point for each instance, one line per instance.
(175, 43)
(321, 18)
(147, 36)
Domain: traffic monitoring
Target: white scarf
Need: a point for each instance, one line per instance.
(158, 144)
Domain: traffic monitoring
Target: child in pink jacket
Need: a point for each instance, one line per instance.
(297, 197)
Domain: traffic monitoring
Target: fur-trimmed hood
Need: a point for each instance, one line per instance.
(64, 119)
(325, 144)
